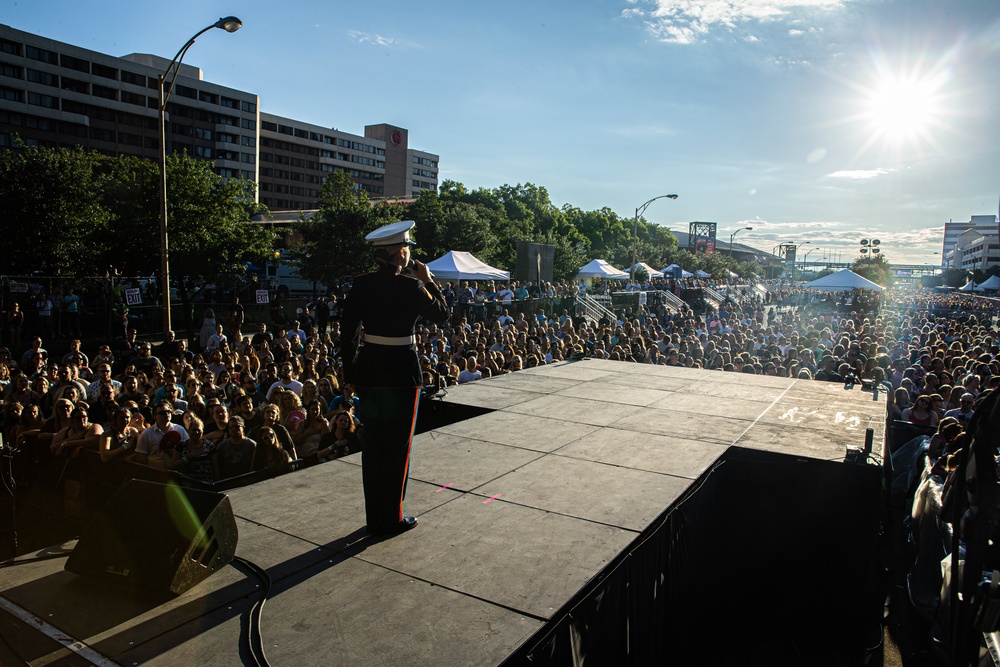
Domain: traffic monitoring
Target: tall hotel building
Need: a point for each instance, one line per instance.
(56, 94)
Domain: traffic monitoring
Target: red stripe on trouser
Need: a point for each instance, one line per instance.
(409, 446)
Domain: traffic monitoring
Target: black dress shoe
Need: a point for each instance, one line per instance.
(407, 523)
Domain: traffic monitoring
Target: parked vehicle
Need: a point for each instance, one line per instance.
(282, 278)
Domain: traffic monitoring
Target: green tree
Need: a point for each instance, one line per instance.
(333, 241)
(52, 207)
(875, 269)
(467, 228)
(211, 237)
(430, 234)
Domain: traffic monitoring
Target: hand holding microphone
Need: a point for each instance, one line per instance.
(420, 271)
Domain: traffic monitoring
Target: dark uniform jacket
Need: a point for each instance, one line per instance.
(387, 303)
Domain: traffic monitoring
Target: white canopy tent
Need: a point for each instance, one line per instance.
(598, 268)
(971, 286)
(702, 274)
(460, 265)
(650, 271)
(684, 274)
(842, 281)
(991, 283)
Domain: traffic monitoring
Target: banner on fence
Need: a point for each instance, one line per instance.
(263, 296)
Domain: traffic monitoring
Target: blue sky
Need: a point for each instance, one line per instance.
(810, 120)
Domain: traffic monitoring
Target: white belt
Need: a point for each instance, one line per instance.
(390, 340)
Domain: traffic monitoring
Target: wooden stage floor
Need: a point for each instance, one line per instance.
(519, 508)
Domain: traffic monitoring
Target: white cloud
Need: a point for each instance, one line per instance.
(860, 174)
(682, 21)
(377, 40)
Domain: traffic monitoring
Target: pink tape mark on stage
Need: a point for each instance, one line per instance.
(444, 487)
(492, 498)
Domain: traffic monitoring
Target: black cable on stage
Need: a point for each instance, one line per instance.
(255, 638)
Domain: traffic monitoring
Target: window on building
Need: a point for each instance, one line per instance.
(133, 78)
(201, 133)
(47, 101)
(248, 107)
(75, 86)
(248, 124)
(73, 129)
(133, 98)
(35, 123)
(43, 78)
(104, 71)
(7, 46)
(203, 152)
(284, 129)
(11, 71)
(270, 127)
(41, 55)
(101, 134)
(186, 91)
(248, 140)
(104, 92)
(210, 98)
(72, 106)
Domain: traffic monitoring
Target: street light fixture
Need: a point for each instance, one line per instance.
(229, 24)
(733, 235)
(635, 231)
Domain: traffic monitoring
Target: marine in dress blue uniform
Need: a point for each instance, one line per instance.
(380, 359)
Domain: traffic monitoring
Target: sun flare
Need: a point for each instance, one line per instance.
(903, 108)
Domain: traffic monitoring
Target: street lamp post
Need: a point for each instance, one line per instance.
(635, 231)
(229, 24)
(733, 235)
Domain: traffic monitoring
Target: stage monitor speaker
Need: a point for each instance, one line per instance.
(157, 536)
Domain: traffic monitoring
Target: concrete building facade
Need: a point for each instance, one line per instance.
(55, 94)
(957, 243)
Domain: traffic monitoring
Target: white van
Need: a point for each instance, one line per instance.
(284, 280)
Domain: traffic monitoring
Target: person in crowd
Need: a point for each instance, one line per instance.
(285, 381)
(270, 453)
(921, 413)
(120, 437)
(235, 453)
(345, 437)
(207, 328)
(966, 409)
(271, 418)
(195, 458)
(153, 447)
(311, 430)
(80, 433)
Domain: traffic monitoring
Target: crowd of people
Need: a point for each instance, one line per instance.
(233, 401)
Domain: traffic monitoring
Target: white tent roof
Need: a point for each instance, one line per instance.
(598, 268)
(993, 282)
(459, 265)
(842, 281)
(653, 273)
(702, 274)
(684, 274)
(972, 287)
